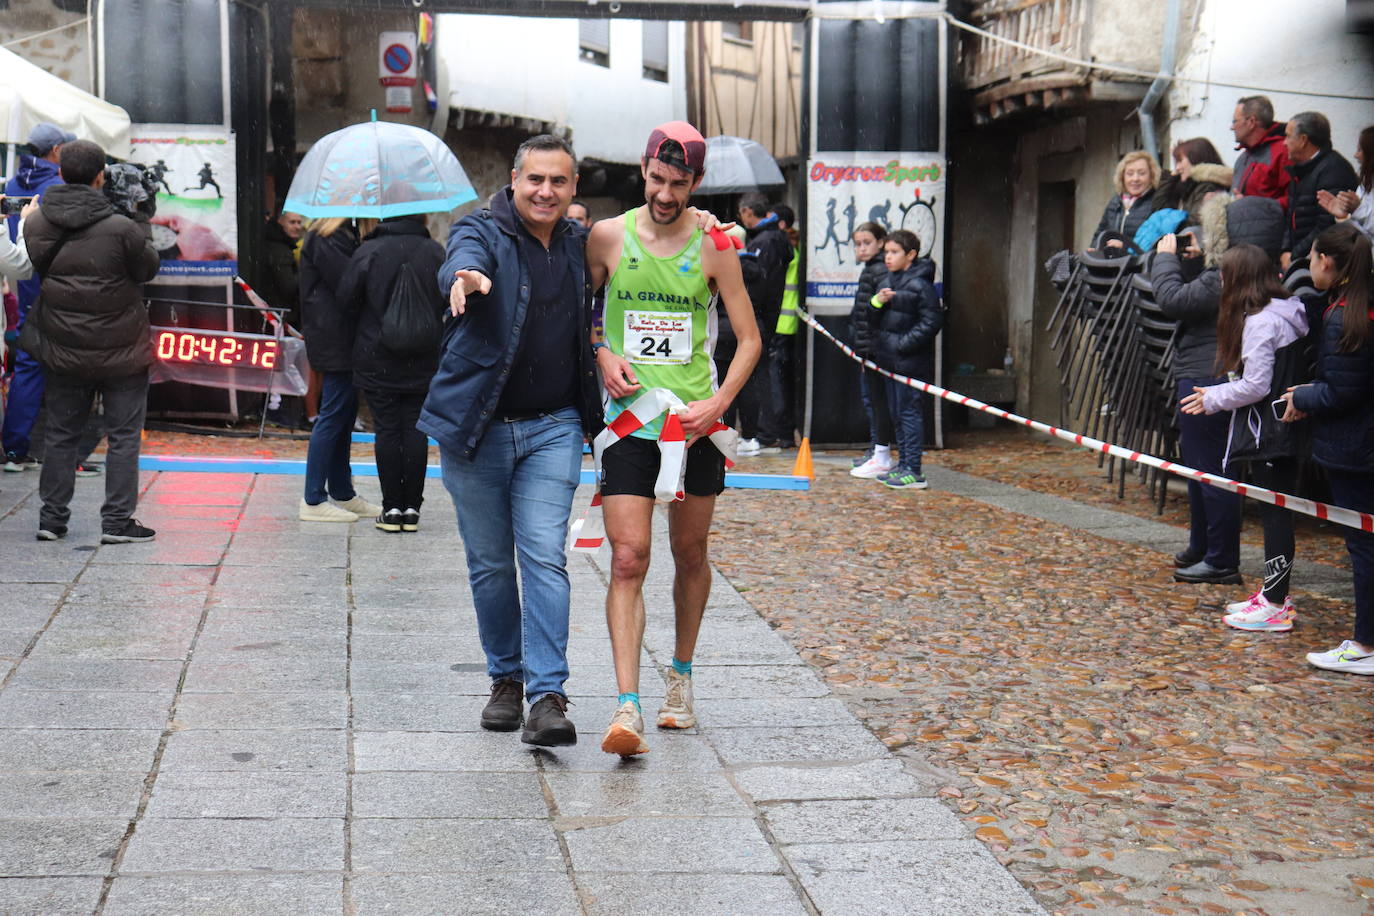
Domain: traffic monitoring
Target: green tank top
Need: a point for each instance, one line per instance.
(659, 316)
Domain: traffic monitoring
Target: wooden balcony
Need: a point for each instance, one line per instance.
(1005, 79)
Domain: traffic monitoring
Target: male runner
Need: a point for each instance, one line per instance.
(659, 332)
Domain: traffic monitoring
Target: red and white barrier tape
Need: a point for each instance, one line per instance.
(589, 532)
(1324, 511)
(261, 303)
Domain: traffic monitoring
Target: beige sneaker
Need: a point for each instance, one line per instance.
(677, 711)
(625, 735)
(361, 507)
(325, 512)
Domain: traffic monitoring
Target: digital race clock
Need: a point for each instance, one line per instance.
(215, 348)
(225, 359)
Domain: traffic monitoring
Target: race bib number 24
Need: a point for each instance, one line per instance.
(658, 338)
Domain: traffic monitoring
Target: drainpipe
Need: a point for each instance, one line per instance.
(1168, 54)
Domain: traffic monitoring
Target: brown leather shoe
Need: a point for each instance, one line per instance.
(548, 724)
(505, 710)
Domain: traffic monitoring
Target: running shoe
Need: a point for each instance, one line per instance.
(87, 470)
(902, 478)
(1346, 658)
(360, 507)
(1262, 617)
(324, 512)
(1238, 607)
(390, 521)
(676, 711)
(874, 468)
(625, 734)
(748, 448)
(862, 459)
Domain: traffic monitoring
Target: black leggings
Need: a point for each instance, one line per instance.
(402, 450)
(1280, 474)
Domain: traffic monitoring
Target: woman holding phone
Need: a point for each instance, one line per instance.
(1261, 338)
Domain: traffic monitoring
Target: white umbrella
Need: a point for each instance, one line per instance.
(30, 95)
(378, 169)
(734, 164)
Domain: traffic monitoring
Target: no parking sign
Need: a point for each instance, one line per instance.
(397, 67)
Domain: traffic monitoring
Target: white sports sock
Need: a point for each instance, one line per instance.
(882, 451)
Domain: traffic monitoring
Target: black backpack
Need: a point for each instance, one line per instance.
(411, 325)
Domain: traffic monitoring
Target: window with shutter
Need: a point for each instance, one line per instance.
(656, 50)
(594, 41)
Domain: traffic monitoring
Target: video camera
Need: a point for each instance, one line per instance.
(131, 189)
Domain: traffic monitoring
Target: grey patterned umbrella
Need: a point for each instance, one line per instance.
(734, 164)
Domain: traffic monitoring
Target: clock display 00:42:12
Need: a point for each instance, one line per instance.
(208, 348)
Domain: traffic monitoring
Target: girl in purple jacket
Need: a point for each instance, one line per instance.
(1257, 320)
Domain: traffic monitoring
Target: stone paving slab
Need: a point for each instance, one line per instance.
(255, 715)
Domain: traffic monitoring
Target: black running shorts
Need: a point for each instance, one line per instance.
(630, 467)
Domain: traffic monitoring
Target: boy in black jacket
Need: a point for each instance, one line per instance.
(907, 315)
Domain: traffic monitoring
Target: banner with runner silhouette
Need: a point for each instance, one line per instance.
(196, 226)
(846, 190)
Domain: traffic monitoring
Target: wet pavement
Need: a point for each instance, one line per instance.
(259, 715)
(256, 715)
(1094, 723)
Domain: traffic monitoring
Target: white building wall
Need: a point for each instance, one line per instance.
(530, 68)
(1272, 44)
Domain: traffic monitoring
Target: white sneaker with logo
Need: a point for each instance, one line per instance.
(1346, 658)
(1262, 617)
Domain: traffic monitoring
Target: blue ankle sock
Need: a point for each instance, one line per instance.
(630, 697)
(681, 667)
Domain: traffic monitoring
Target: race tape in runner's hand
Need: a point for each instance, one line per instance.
(1323, 511)
(589, 532)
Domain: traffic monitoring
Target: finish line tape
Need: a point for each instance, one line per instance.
(1324, 511)
(736, 481)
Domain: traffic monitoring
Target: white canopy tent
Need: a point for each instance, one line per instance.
(30, 95)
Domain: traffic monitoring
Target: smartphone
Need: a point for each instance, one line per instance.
(1185, 241)
(11, 205)
(1280, 407)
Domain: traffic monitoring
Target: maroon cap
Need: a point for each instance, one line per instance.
(679, 144)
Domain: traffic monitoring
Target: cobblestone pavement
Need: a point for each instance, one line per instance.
(1110, 741)
(255, 715)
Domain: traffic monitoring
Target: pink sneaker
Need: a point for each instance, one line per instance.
(1262, 617)
(1240, 607)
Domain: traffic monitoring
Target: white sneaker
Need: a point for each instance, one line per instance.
(625, 734)
(360, 507)
(325, 512)
(748, 447)
(1344, 658)
(676, 711)
(1240, 607)
(873, 468)
(1262, 617)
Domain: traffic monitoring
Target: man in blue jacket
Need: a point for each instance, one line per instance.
(515, 392)
(37, 170)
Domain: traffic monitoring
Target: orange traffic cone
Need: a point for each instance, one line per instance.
(803, 466)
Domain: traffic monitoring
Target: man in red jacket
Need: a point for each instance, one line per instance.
(1261, 168)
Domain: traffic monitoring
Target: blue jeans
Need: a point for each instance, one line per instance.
(513, 501)
(26, 399)
(908, 423)
(327, 468)
(1214, 514)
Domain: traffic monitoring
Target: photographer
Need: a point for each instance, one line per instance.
(90, 335)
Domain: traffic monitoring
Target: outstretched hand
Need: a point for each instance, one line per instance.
(1192, 404)
(465, 283)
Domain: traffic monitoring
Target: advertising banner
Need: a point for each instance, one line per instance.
(196, 226)
(845, 190)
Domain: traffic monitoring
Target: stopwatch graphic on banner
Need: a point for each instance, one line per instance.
(846, 190)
